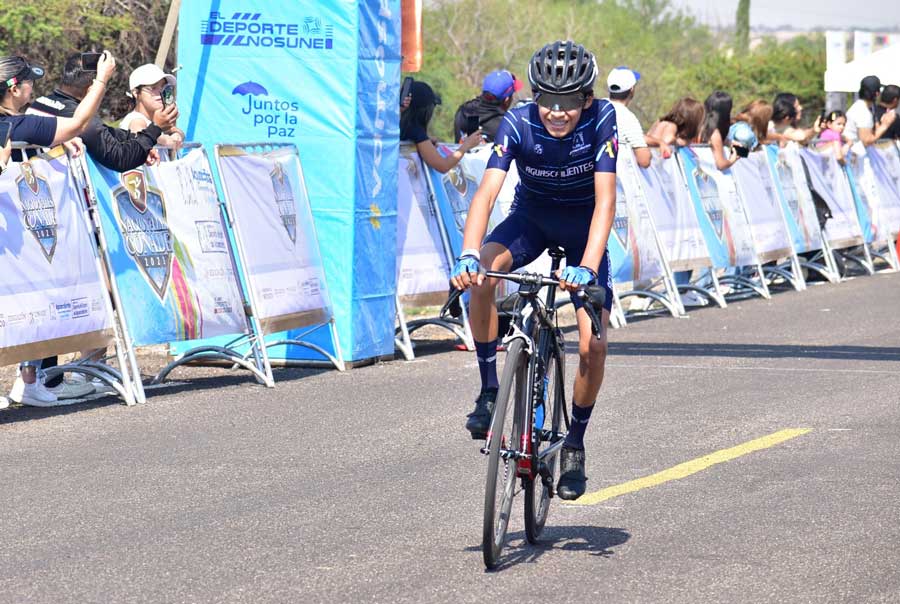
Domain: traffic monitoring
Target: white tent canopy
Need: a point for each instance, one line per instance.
(885, 64)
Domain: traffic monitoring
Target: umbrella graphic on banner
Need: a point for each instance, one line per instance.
(250, 88)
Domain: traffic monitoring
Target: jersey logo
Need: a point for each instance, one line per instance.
(578, 145)
(538, 149)
(499, 150)
(609, 149)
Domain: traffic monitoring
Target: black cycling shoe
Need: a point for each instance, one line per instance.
(479, 420)
(572, 481)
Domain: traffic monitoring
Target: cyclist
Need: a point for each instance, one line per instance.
(565, 148)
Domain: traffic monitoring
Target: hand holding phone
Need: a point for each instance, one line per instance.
(405, 88)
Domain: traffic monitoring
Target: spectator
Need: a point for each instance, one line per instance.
(414, 127)
(17, 79)
(861, 126)
(887, 101)
(114, 148)
(497, 92)
(715, 127)
(145, 85)
(833, 124)
(757, 115)
(621, 83)
(785, 123)
(681, 125)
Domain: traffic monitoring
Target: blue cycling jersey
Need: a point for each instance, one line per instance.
(556, 171)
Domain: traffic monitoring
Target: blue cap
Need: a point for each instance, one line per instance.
(742, 134)
(501, 84)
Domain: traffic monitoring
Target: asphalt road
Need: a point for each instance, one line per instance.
(364, 487)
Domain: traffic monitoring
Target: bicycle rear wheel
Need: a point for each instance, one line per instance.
(555, 425)
(507, 425)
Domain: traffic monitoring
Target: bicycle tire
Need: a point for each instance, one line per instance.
(504, 433)
(537, 495)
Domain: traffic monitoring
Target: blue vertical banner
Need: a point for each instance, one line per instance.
(324, 75)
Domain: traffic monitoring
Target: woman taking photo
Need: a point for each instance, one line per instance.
(146, 84)
(414, 121)
(17, 78)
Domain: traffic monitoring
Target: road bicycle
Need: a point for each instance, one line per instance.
(530, 420)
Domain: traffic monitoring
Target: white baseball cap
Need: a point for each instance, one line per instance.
(148, 74)
(622, 79)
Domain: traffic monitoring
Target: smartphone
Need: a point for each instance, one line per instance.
(472, 124)
(89, 60)
(405, 88)
(168, 95)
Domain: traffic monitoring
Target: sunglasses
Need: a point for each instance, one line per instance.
(560, 102)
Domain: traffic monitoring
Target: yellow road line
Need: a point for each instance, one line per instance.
(687, 468)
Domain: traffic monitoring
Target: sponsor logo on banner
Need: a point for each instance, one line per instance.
(211, 237)
(620, 221)
(709, 197)
(256, 30)
(786, 176)
(278, 117)
(284, 200)
(141, 213)
(460, 189)
(80, 308)
(38, 208)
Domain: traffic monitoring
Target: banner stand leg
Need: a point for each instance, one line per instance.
(403, 343)
(669, 305)
(617, 316)
(717, 294)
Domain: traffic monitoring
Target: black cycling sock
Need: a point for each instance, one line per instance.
(580, 418)
(487, 364)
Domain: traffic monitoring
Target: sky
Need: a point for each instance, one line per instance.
(877, 15)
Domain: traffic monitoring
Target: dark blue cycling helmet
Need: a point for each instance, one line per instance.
(562, 67)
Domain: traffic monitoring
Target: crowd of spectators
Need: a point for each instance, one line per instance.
(68, 116)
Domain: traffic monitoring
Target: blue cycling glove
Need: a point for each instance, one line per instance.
(578, 275)
(466, 264)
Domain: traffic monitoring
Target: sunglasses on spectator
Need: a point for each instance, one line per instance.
(560, 102)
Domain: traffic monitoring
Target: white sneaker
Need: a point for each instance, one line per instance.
(72, 389)
(690, 298)
(4, 402)
(37, 395)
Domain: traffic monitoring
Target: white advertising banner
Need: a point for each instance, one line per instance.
(719, 209)
(827, 179)
(51, 294)
(422, 267)
(761, 203)
(669, 202)
(272, 218)
(633, 249)
(797, 203)
(876, 191)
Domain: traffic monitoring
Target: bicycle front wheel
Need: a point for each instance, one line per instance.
(549, 430)
(507, 426)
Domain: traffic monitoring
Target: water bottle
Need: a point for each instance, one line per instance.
(539, 408)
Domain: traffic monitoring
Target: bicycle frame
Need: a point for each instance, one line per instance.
(541, 319)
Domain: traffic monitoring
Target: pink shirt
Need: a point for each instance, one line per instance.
(830, 135)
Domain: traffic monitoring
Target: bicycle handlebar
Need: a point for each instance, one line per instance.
(593, 297)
